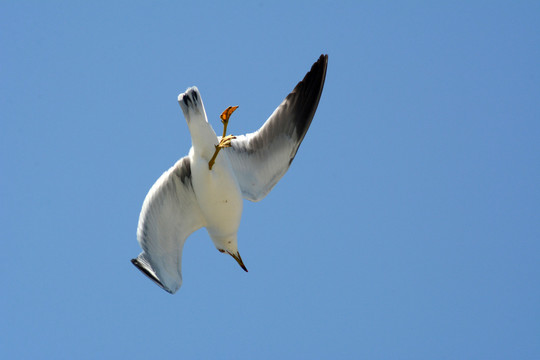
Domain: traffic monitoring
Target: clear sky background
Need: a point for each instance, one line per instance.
(408, 226)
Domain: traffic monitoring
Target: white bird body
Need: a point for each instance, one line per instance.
(217, 191)
(220, 200)
(191, 195)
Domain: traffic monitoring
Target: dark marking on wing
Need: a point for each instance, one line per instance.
(281, 135)
(183, 172)
(304, 98)
(146, 272)
(293, 116)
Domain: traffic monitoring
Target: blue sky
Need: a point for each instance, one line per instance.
(407, 227)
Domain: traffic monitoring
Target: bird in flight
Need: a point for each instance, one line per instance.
(206, 187)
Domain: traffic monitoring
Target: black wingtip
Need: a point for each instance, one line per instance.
(323, 58)
(321, 62)
(151, 276)
(307, 94)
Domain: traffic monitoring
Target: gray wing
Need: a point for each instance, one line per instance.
(170, 213)
(261, 158)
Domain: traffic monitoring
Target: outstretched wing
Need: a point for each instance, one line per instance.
(170, 213)
(261, 158)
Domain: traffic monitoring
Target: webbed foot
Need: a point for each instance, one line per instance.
(225, 139)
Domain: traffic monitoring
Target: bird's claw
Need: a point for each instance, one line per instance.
(226, 114)
(225, 139)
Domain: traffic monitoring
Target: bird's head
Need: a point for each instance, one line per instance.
(229, 245)
(236, 256)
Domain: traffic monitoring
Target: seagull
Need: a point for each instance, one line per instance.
(206, 188)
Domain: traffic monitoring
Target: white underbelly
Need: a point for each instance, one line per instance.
(218, 195)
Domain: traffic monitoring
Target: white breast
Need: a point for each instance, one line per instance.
(218, 195)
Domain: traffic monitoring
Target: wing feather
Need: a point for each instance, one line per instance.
(261, 158)
(170, 213)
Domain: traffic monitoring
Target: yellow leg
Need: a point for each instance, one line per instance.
(225, 139)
